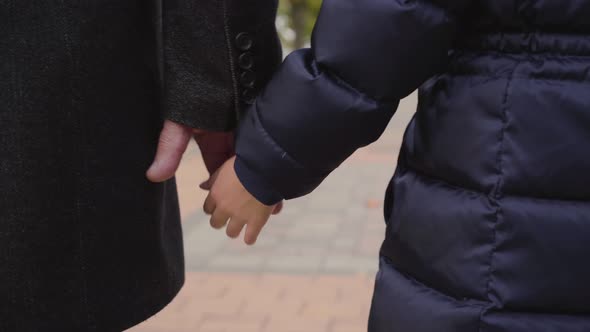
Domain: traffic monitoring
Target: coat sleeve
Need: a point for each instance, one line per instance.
(217, 54)
(328, 101)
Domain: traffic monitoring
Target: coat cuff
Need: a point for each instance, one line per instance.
(266, 170)
(256, 184)
(217, 55)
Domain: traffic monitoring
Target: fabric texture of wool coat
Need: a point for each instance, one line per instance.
(86, 242)
(488, 213)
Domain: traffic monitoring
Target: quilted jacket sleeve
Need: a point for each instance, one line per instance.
(327, 101)
(217, 54)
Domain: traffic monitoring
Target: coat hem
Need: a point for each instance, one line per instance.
(144, 312)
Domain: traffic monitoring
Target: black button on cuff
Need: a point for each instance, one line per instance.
(248, 97)
(243, 41)
(248, 79)
(246, 61)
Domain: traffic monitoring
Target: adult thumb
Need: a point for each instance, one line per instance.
(173, 142)
(208, 184)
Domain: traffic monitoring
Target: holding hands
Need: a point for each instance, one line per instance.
(228, 203)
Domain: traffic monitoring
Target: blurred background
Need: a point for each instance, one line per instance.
(295, 22)
(313, 267)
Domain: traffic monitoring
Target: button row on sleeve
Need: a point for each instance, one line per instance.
(244, 43)
(246, 61)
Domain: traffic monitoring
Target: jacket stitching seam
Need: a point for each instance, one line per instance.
(518, 78)
(331, 75)
(447, 185)
(273, 142)
(284, 154)
(443, 182)
(461, 302)
(496, 193)
(230, 52)
(531, 55)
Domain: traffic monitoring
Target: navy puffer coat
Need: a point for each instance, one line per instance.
(488, 214)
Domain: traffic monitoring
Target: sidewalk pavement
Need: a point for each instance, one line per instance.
(313, 267)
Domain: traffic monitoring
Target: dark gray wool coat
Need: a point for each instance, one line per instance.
(86, 242)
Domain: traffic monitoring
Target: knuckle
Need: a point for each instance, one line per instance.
(214, 194)
(167, 139)
(223, 208)
(172, 142)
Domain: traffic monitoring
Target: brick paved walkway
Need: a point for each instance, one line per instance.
(312, 269)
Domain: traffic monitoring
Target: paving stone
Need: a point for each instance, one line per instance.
(350, 264)
(306, 264)
(343, 243)
(247, 262)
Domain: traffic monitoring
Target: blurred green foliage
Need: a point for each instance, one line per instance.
(297, 18)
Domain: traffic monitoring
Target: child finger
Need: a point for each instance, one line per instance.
(219, 219)
(209, 205)
(234, 227)
(253, 230)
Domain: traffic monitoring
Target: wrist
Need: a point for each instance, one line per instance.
(256, 184)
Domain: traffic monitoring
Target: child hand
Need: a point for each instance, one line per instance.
(230, 203)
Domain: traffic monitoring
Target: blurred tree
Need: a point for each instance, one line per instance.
(298, 17)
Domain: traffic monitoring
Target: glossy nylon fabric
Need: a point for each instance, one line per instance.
(488, 219)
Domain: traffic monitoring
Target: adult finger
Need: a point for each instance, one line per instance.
(207, 185)
(174, 139)
(216, 148)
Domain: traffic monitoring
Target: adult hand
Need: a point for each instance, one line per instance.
(216, 148)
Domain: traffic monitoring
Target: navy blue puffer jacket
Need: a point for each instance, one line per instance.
(488, 214)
